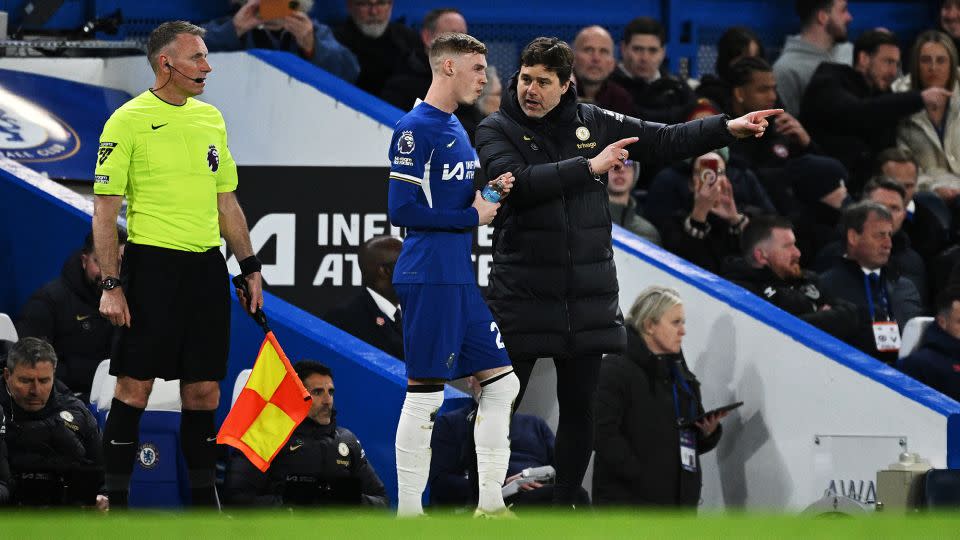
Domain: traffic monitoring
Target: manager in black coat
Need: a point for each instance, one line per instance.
(553, 284)
(644, 396)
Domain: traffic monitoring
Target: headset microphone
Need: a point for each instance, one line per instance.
(196, 80)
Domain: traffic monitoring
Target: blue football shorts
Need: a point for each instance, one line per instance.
(448, 331)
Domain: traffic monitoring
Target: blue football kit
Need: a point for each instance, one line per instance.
(448, 331)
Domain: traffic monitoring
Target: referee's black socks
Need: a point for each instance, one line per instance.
(198, 439)
(121, 439)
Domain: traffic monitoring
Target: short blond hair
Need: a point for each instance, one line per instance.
(650, 305)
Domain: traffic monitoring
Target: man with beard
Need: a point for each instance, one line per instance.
(322, 463)
(824, 25)
(381, 46)
(770, 268)
(593, 62)
(851, 112)
(66, 313)
(553, 284)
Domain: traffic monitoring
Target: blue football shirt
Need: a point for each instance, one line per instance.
(432, 166)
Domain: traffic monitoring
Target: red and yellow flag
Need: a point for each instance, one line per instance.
(268, 409)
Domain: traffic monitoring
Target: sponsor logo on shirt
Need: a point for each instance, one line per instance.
(405, 161)
(106, 148)
(30, 134)
(101, 179)
(463, 170)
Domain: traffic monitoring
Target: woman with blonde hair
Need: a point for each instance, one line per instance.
(933, 134)
(647, 453)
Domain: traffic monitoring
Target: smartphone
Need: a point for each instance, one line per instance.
(702, 417)
(277, 9)
(709, 169)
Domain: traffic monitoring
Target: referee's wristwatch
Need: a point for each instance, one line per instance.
(109, 283)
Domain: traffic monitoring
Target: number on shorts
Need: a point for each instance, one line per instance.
(494, 328)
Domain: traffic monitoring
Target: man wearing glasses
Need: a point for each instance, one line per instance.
(379, 45)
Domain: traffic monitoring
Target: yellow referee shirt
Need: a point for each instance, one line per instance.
(170, 161)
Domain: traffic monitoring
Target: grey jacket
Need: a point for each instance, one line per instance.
(628, 218)
(796, 65)
(916, 133)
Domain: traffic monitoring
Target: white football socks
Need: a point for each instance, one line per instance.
(492, 434)
(413, 446)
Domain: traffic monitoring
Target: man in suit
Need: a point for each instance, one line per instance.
(373, 315)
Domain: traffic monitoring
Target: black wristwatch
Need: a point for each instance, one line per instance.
(109, 283)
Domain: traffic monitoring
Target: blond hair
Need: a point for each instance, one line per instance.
(650, 305)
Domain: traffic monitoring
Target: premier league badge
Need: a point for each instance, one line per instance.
(405, 144)
(213, 158)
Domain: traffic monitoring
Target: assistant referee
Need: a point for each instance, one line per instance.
(167, 153)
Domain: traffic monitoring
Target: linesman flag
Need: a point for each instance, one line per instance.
(270, 406)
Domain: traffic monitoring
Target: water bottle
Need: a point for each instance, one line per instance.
(492, 193)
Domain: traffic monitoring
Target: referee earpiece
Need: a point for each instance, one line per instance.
(196, 80)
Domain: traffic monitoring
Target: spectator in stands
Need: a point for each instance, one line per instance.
(928, 133)
(907, 262)
(864, 277)
(623, 206)
(936, 360)
(769, 267)
(823, 26)
(453, 467)
(405, 86)
(593, 62)
(707, 228)
(950, 20)
(297, 33)
(822, 193)
(786, 142)
(321, 464)
(850, 111)
(736, 42)
(382, 47)
(373, 314)
(49, 430)
(927, 232)
(66, 313)
(657, 95)
(644, 396)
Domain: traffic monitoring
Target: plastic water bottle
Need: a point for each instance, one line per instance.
(492, 193)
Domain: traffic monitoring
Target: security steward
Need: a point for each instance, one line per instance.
(50, 434)
(167, 153)
(553, 285)
(321, 464)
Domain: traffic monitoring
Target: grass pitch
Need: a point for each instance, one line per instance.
(333, 525)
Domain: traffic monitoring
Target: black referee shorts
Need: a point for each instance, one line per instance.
(179, 315)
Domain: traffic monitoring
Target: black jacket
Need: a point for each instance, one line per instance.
(379, 57)
(801, 297)
(553, 284)
(404, 87)
(60, 437)
(637, 439)
(936, 362)
(845, 280)
(667, 99)
(4, 464)
(361, 317)
(851, 121)
(322, 455)
(66, 313)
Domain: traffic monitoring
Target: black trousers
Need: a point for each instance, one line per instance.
(577, 378)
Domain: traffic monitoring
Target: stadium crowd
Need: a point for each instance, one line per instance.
(846, 214)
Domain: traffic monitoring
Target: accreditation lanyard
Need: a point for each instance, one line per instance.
(883, 298)
(688, 437)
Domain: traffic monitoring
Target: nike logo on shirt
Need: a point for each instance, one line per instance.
(82, 317)
(115, 443)
(451, 143)
(295, 447)
(158, 127)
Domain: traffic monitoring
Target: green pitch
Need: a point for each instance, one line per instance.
(360, 525)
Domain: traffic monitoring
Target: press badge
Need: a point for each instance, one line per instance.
(886, 334)
(688, 450)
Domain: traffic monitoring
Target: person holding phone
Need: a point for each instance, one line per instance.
(282, 25)
(650, 426)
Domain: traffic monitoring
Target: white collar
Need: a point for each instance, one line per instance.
(386, 306)
(868, 271)
(911, 206)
